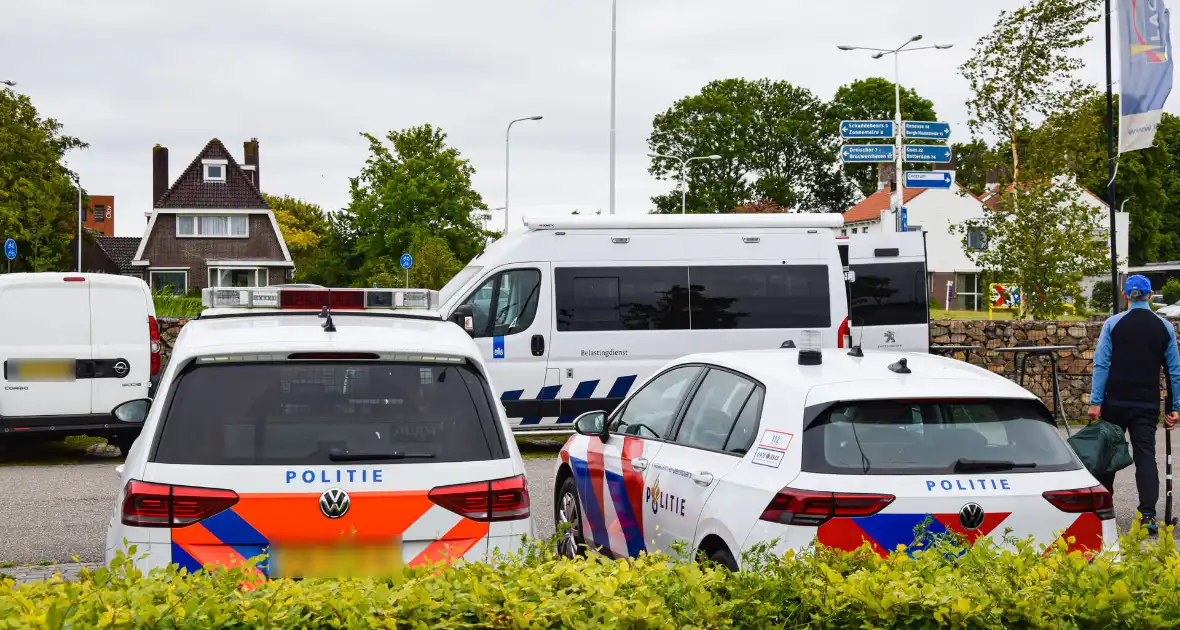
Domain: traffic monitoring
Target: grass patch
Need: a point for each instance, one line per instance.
(30, 451)
(7, 565)
(170, 305)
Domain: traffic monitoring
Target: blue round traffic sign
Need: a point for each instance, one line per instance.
(407, 261)
(10, 249)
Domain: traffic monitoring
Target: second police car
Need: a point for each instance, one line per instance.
(792, 447)
(335, 431)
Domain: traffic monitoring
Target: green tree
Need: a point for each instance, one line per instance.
(1101, 296)
(38, 200)
(773, 141)
(415, 187)
(1171, 291)
(873, 99)
(971, 164)
(434, 265)
(337, 260)
(304, 227)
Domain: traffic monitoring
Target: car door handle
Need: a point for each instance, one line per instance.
(702, 478)
(538, 345)
(639, 463)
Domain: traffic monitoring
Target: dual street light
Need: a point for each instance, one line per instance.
(684, 165)
(507, 137)
(899, 200)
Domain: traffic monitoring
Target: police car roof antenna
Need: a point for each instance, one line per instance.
(900, 367)
(326, 315)
(855, 351)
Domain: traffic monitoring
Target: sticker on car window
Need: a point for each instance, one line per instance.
(776, 439)
(768, 457)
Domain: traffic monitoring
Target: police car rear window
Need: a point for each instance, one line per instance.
(325, 413)
(898, 437)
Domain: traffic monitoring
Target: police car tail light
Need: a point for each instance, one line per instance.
(1095, 499)
(807, 507)
(844, 335)
(486, 501)
(154, 343)
(161, 505)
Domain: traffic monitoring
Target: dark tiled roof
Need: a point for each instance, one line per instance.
(120, 249)
(192, 191)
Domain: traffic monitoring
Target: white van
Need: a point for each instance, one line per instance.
(571, 312)
(889, 307)
(73, 346)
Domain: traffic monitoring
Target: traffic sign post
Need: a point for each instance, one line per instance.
(924, 130)
(905, 220)
(407, 261)
(867, 153)
(10, 252)
(928, 179)
(867, 129)
(926, 153)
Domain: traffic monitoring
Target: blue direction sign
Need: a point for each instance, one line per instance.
(928, 179)
(10, 249)
(905, 220)
(866, 129)
(407, 261)
(867, 153)
(926, 153)
(926, 130)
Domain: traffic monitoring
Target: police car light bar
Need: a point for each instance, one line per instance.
(317, 299)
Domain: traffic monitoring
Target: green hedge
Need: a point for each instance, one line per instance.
(982, 588)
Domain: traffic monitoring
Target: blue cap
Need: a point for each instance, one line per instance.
(1137, 286)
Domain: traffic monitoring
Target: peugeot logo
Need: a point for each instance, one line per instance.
(121, 369)
(971, 516)
(334, 503)
(890, 337)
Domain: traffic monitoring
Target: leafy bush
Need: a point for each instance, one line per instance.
(1171, 291)
(169, 304)
(1101, 298)
(982, 587)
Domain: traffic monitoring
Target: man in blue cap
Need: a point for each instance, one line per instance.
(1132, 348)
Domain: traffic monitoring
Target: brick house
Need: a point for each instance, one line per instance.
(100, 216)
(212, 227)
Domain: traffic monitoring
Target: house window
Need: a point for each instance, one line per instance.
(854, 230)
(843, 232)
(100, 213)
(238, 277)
(213, 226)
(975, 239)
(170, 280)
(215, 170)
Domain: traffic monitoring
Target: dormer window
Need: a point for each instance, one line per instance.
(214, 170)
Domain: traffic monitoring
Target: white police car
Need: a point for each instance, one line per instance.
(338, 431)
(790, 447)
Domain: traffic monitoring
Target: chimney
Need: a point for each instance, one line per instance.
(251, 151)
(993, 180)
(886, 176)
(159, 173)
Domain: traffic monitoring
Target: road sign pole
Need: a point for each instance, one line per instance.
(897, 124)
(407, 278)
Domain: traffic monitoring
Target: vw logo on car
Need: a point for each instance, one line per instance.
(334, 503)
(971, 516)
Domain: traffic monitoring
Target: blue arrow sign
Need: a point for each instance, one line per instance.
(10, 249)
(866, 129)
(905, 220)
(928, 179)
(406, 261)
(926, 130)
(926, 153)
(867, 153)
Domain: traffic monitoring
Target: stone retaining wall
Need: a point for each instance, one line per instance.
(1074, 367)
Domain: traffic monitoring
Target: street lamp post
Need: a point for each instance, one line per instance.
(8, 83)
(683, 166)
(613, 37)
(78, 182)
(898, 148)
(507, 136)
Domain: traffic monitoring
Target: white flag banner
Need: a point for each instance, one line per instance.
(1146, 72)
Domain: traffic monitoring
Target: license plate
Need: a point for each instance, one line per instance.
(61, 370)
(337, 561)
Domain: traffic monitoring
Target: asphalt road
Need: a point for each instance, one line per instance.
(53, 513)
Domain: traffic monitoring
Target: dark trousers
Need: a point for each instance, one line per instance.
(1141, 424)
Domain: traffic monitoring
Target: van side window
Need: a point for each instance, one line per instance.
(889, 294)
(714, 410)
(506, 303)
(763, 296)
(621, 298)
(650, 412)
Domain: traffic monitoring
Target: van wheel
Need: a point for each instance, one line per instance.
(568, 509)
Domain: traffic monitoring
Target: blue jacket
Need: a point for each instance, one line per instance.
(1136, 349)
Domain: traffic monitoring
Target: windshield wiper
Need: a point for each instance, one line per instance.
(977, 465)
(344, 455)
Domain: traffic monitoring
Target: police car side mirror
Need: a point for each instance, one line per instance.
(133, 411)
(592, 423)
(463, 318)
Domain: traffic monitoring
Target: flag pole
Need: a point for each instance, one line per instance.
(1110, 171)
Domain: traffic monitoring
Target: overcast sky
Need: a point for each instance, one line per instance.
(305, 77)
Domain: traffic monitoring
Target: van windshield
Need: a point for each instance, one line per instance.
(458, 282)
(889, 294)
(321, 413)
(909, 437)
